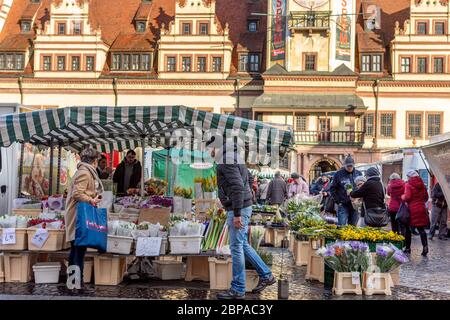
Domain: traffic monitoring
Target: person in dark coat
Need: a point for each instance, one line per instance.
(128, 173)
(395, 190)
(343, 183)
(372, 191)
(234, 183)
(416, 196)
(438, 213)
(277, 192)
(103, 170)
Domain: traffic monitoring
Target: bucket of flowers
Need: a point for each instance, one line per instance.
(377, 278)
(348, 259)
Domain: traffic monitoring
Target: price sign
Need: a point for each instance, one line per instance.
(9, 236)
(148, 247)
(355, 278)
(40, 237)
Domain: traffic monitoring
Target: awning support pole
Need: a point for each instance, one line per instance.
(167, 170)
(58, 172)
(22, 153)
(50, 175)
(143, 166)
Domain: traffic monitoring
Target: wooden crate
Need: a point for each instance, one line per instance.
(21, 241)
(220, 274)
(343, 284)
(27, 212)
(377, 283)
(395, 277)
(197, 268)
(53, 243)
(109, 269)
(301, 253)
(315, 268)
(2, 269)
(251, 280)
(269, 236)
(279, 236)
(17, 267)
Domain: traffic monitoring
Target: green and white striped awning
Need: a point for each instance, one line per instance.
(122, 128)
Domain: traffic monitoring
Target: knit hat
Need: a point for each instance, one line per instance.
(359, 179)
(295, 176)
(349, 161)
(394, 176)
(412, 173)
(372, 172)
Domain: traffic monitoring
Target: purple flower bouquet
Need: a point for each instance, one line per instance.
(389, 257)
(346, 256)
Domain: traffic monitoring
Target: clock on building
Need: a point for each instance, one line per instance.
(311, 4)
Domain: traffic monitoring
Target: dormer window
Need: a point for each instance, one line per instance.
(252, 25)
(140, 26)
(77, 27)
(35, 1)
(371, 62)
(186, 28)
(25, 26)
(204, 29)
(61, 28)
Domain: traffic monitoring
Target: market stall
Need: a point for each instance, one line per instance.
(146, 224)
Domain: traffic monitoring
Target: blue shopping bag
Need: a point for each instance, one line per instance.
(91, 227)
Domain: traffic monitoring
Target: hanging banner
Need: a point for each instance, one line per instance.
(278, 50)
(343, 10)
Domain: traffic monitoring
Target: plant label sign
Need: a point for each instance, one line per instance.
(355, 278)
(40, 237)
(148, 247)
(9, 236)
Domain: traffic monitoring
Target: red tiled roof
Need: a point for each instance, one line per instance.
(16, 42)
(144, 11)
(30, 10)
(133, 42)
(371, 42)
(251, 41)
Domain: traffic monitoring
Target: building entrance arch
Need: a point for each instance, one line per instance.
(321, 166)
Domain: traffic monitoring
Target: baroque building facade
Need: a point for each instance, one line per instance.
(348, 76)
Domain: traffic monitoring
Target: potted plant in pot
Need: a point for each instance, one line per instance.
(348, 260)
(377, 279)
(187, 200)
(209, 187)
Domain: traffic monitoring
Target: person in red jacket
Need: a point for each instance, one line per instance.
(416, 196)
(395, 190)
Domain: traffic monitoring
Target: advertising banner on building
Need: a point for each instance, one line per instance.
(343, 33)
(278, 48)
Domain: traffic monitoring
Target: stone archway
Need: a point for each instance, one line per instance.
(322, 165)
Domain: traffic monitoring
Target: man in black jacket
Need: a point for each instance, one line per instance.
(234, 182)
(128, 173)
(343, 183)
(438, 213)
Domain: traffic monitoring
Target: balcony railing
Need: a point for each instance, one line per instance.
(319, 20)
(342, 138)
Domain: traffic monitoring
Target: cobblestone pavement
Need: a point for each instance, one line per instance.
(421, 279)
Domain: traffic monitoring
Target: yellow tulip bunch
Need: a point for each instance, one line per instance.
(368, 234)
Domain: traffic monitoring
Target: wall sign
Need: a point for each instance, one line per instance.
(278, 48)
(343, 8)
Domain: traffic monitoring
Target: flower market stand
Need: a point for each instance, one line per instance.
(347, 282)
(220, 273)
(377, 283)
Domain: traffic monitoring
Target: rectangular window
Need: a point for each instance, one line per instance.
(300, 123)
(145, 62)
(61, 63)
(434, 124)
(243, 63)
(439, 28)
(135, 62)
(246, 114)
(421, 65)
(376, 63)
(406, 65)
(186, 64)
(61, 28)
(89, 63)
(217, 64)
(254, 62)
(19, 61)
(387, 125)
(25, 26)
(76, 27)
(140, 26)
(414, 125)
(310, 62)
(204, 29)
(9, 61)
(365, 63)
(171, 64)
(252, 25)
(116, 61)
(438, 65)
(370, 122)
(2, 61)
(75, 63)
(47, 63)
(201, 64)
(421, 28)
(126, 62)
(186, 28)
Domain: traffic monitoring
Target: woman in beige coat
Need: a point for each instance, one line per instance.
(86, 187)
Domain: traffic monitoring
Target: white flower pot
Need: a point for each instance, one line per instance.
(198, 190)
(187, 205)
(178, 204)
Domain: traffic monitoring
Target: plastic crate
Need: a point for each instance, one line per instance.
(46, 272)
(168, 270)
(185, 244)
(21, 240)
(119, 245)
(54, 242)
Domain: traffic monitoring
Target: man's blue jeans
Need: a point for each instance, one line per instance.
(241, 250)
(347, 215)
